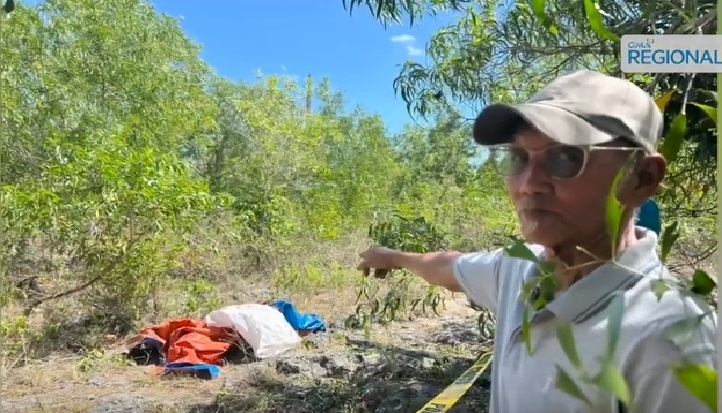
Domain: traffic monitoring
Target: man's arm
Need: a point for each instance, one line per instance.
(436, 268)
(475, 274)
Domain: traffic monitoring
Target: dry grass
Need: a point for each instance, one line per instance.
(69, 357)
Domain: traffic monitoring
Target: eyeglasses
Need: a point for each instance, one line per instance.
(560, 162)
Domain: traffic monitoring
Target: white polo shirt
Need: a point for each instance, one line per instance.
(524, 383)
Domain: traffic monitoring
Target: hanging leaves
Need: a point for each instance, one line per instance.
(595, 21)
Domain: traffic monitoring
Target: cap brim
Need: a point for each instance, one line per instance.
(498, 123)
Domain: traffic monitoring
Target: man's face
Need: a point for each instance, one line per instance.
(555, 212)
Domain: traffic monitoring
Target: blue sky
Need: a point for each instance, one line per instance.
(300, 37)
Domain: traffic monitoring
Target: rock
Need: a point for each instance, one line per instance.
(288, 366)
(97, 381)
(428, 362)
(457, 333)
(337, 364)
(369, 359)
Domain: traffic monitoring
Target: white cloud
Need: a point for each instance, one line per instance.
(403, 38)
(415, 51)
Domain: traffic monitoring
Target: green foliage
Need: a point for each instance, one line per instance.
(674, 139)
(393, 12)
(701, 381)
(614, 210)
(546, 284)
(97, 99)
(127, 167)
(403, 234)
(462, 72)
(539, 9)
(702, 283)
(565, 383)
(708, 110)
(409, 235)
(201, 298)
(111, 210)
(596, 21)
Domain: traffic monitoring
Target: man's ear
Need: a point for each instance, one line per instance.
(642, 181)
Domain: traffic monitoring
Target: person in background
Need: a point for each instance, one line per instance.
(648, 217)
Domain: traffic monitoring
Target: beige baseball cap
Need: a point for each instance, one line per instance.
(581, 108)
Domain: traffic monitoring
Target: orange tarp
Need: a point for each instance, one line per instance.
(189, 341)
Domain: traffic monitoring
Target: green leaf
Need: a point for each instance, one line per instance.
(518, 249)
(565, 335)
(614, 324)
(702, 283)
(709, 110)
(540, 302)
(669, 237)
(664, 99)
(659, 287)
(672, 143)
(565, 383)
(526, 328)
(614, 211)
(538, 7)
(680, 331)
(410, 10)
(595, 21)
(548, 288)
(610, 378)
(547, 267)
(700, 381)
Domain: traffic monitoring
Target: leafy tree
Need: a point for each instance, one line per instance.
(97, 101)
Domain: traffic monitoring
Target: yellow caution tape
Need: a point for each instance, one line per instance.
(458, 388)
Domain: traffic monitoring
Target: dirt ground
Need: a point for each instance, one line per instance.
(392, 368)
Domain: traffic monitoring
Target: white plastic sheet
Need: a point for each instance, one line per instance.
(263, 327)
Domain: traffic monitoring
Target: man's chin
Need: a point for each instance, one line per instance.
(543, 238)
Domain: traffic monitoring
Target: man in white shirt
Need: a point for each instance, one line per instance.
(560, 153)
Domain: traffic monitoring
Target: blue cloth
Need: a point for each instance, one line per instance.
(648, 216)
(297, 320)
(201, 371)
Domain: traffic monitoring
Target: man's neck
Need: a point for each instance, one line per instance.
(576, 262)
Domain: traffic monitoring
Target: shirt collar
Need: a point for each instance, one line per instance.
(594, 292)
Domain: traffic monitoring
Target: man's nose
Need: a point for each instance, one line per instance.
(534, 179)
